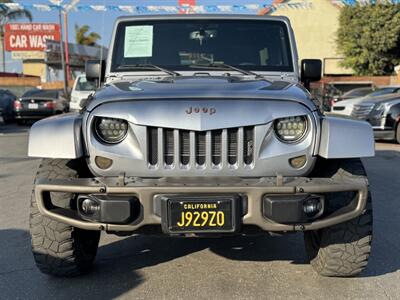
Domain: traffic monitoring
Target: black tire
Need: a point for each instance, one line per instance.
(341, 250)
(398, 133)
(60, 249)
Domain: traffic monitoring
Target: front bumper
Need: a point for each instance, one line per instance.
(33, 115)
(147, 190)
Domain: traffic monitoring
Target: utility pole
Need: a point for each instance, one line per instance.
(68, 69)
(3, 50)
(62, 54)
(67, 8)
(62, 57)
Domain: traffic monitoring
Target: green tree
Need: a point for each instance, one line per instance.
(7, 15)
(369, 38)
(83, 37)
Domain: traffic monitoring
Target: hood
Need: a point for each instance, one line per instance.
(382, 99)
(200, 87)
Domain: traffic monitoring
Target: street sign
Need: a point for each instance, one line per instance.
(22, 55)
(30, 36)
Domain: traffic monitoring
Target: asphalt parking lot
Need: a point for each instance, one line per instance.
(146, 267)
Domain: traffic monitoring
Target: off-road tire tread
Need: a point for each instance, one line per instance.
(60, 249)
(342, 250)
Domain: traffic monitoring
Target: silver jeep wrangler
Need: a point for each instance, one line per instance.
(203, 126)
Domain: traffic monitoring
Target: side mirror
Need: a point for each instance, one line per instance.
(95, 70)
(311, 70)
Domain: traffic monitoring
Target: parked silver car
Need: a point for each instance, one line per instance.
(383, 113)
(202, 128)
(350, 107)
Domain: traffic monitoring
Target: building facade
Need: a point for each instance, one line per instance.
(315, 23)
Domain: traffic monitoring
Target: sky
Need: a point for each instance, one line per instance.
(100, 22)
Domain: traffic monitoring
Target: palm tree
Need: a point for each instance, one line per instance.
(6, 15)
(83, 37)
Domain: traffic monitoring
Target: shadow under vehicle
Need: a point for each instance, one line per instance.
(204, 126)
(38, 104)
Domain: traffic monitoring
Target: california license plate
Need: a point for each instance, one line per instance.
(201, 215)
(33, 105)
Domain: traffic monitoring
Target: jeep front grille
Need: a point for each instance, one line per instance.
(216, 145)
(169, 146)
(152, 143)
(184, 147)
(232, 146)
(201, 148)
(216, 148)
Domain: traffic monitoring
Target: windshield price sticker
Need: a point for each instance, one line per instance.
(138, 41)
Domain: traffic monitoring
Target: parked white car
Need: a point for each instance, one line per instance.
(81, 90)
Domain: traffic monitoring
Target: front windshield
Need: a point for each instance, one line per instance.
(84, 85)
(41, 93)
(181, 44)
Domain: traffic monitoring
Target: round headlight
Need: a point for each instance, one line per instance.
(291, 129)
(110, 131)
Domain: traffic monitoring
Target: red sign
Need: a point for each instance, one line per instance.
(187, 2)
(185, 6)
(30, 36)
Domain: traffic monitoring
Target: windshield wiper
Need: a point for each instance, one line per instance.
(148, 67)
(222, 66)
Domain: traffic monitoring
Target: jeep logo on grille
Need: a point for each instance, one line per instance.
(198, 110)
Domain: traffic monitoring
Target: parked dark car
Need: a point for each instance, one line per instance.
(6, 104)
(385, 119)
(354, 93)
(338, 91)
(37, 104)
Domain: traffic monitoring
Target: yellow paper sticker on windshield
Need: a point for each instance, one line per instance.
(138, 41)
